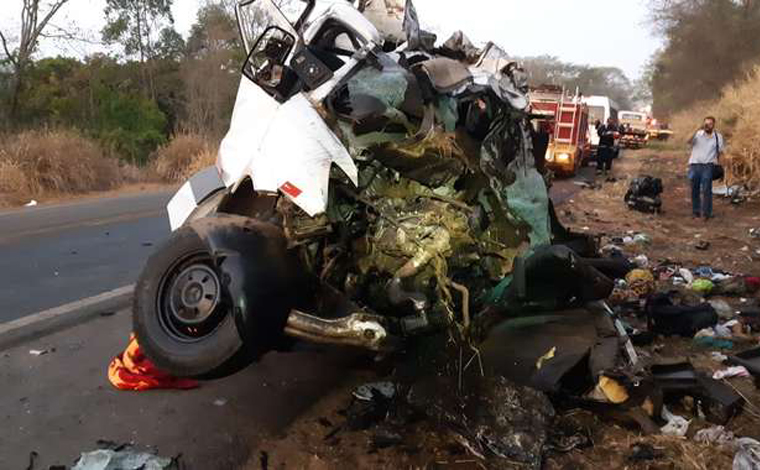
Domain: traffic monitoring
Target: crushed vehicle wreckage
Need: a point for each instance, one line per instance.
(360, 196)
(373, 188)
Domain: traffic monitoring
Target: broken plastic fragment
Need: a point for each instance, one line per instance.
(612, 390)
(549, 355)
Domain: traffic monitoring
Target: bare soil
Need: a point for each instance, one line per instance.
(313, 443)
(674, 232)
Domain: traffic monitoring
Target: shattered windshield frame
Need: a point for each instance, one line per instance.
(266, 13)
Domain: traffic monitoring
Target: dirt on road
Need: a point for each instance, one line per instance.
(675, 234)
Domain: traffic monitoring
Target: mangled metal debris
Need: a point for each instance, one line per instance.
(369, 189)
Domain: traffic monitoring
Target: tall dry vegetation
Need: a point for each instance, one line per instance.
(181, 158)
(38, 163)
(190, 87)
(738, 113)
(708, 66)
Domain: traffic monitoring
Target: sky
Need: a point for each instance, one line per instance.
(595, 32)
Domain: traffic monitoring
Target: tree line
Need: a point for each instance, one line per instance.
(587, 80)
(153, 84)
(708, 44)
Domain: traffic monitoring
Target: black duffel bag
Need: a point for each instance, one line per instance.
(718, 172)
(666, 318)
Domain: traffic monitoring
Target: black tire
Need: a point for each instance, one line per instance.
(209, 349)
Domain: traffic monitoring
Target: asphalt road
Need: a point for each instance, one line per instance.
(564, 189)
(61, 403)
(52, 255)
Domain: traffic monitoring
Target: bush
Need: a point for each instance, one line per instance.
(738, 112)
(130, 125)
(60, 162)
(184, 156)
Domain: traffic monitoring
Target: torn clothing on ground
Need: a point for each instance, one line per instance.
(131, 370)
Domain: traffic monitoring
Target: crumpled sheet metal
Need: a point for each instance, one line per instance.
(447, 75)
(450, 138)
(303, 177)
(493, 59)
(388, 18)
(436, 160)
(416, 37)
(460, 45)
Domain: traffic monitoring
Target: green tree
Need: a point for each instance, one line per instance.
(54, 95)
(136, 25)
(549, 70)
(170, 45)
(708, 45)
(131, 125)
(35, 17)
(605, 81)
(642, 87)
(101, 97)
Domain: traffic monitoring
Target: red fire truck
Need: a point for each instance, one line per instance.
(565, 118)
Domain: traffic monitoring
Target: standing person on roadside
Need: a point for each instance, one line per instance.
(706, 147)
(606, 152)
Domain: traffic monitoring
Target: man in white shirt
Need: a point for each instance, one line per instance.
(706, 147)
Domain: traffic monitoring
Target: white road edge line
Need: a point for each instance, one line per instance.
(64, 309)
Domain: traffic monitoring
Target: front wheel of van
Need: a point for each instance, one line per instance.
(182, 314)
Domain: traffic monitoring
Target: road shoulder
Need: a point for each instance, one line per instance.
(40, 324)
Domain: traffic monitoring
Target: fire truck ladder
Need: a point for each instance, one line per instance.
(566, 117)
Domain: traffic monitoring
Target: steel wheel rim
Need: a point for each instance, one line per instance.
(190, 299)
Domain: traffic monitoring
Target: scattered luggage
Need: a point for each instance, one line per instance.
(667, 318)
(644, 195)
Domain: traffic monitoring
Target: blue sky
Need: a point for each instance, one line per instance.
(595, 32)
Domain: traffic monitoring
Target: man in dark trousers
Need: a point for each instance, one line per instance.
(706, 147)
(606, 151)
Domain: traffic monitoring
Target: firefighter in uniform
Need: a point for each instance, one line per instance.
(606, 151)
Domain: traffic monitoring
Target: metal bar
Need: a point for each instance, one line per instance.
(359, 329)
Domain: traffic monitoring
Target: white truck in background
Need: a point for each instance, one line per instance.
(600, 109)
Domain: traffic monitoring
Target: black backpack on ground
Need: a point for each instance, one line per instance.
(644, 194)
(666, 318)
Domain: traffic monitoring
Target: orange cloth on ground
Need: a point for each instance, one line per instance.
(131, 370)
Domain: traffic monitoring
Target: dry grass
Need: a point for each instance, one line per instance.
(738, 114)
(184, 156)
(37, 163)
(678, 453)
